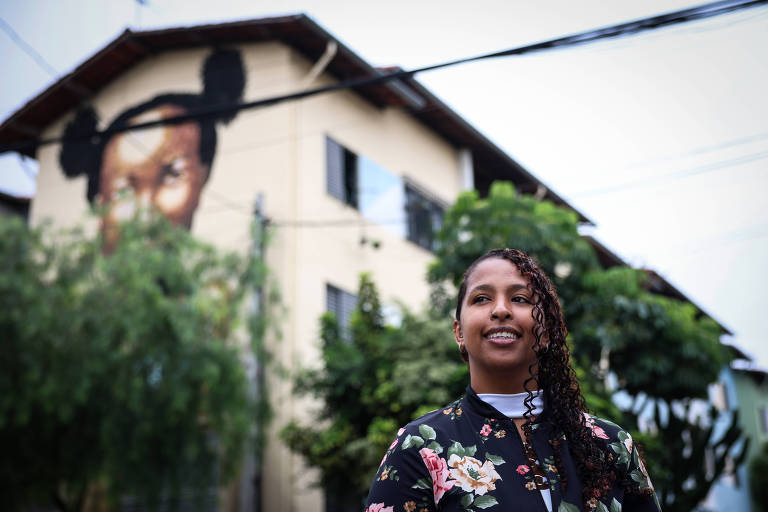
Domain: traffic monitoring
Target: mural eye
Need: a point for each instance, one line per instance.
(122, 188)
(171, 173)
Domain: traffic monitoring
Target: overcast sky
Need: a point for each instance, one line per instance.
(661, 139)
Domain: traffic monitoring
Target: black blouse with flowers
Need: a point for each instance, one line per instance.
(469, 457)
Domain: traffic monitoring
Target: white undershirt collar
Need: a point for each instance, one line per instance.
(512, 405)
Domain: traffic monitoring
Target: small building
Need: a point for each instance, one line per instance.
(741, 388)
(14, 205)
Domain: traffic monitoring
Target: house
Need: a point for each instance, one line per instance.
(14, 205)
(354, 180)
(743, 388)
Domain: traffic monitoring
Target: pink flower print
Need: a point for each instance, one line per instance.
(379, 507)
(438, 471)
(394, 443)
(400, 432)
(486, 430)
(523, 469)
(598, 432)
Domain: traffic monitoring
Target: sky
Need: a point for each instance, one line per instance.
(661, 139)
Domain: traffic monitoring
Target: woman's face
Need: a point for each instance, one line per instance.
(153, 169)
(496, 327)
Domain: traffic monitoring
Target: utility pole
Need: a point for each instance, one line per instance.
(251, 490)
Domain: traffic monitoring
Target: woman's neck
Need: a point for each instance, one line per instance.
(503, 383)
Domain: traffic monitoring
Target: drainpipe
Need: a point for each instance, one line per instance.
(321, 64)
(466, 169)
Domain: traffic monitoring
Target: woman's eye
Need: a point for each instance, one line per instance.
(520, 299)
(479, 298)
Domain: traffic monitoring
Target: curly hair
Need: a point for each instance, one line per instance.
(553, 373)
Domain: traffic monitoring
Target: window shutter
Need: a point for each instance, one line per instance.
(342, 304)
(425, 218)
(334, 169)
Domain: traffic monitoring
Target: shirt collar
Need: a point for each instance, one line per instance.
(486, 410)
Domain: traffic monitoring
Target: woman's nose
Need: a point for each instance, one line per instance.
(500, 310)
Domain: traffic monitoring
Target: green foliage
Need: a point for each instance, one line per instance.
(659, 348)
(758, 479)
(119, 373)
(678, 455)
(549, 234)
(373, 380)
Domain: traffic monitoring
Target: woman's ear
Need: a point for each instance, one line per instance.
(544, 343)
(459, 337)
(457, 333)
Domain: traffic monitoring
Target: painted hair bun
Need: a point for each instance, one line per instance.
(223, 81)
(81, 151)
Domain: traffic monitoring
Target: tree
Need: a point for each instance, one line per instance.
(758, 479)
(660, 349)
(120, 374)
(373, 380)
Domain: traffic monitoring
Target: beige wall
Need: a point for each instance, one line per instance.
(280, 152)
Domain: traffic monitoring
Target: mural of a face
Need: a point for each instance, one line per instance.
(162, 169)
(156, 169)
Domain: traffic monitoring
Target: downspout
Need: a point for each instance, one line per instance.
(330, 52)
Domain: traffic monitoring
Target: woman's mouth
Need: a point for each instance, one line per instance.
(502, 335)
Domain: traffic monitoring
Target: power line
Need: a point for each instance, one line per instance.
(47, 67)
(581, 38)
(699, 150)
(28, 49)
(701, 169)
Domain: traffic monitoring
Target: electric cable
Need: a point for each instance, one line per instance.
(701, 169)
(28, 49)
(608, 32)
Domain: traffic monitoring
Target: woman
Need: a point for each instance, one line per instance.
(519, 439)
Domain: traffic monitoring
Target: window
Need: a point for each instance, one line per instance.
(381, 196)
(425, 218)
(763, 415)
(341, 304)
(719, 396)
(341, 172)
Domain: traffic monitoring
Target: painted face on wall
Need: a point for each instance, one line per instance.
(156, 169)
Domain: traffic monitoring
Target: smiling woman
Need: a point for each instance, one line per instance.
(521, 436)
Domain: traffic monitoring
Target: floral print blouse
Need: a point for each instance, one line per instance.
(469, 457)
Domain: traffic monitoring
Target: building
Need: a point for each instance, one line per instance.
(13, 205)
(742, 388)
(354, 180)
